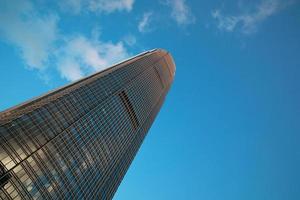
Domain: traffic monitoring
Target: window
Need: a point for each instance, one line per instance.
(4, 177)
(129, 109)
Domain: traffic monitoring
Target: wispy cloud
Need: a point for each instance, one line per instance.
(248, 22)
(144, 23)
(181, 12)
(129, 40)
(111, 5)
(42, 45)
(71, 6)
(81, 56)
(31, 32)
(97, 6)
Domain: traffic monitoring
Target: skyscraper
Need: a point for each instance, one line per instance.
(78, 141)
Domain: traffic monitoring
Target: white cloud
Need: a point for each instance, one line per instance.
(41, 45)
(97, 6)
(248, 22)
(143, 25)
(33, 34)
(70, 69)
(81, 56)
(181, 13)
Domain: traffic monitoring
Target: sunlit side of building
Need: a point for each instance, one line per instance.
(78, 141)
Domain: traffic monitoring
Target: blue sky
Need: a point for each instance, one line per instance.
(229, 128)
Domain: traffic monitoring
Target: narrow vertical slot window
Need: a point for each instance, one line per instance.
(129, 109)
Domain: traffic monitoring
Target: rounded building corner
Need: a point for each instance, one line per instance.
(169, 61)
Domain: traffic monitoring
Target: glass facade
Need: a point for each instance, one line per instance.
(78, 141)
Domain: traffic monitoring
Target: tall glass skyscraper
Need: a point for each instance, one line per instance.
(78, 141)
